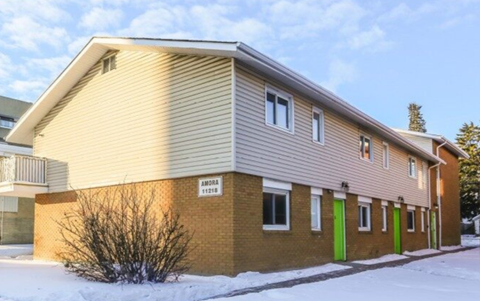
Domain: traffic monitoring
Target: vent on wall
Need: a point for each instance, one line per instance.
(109, 64)
(8, 204)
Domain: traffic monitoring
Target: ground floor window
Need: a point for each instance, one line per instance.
(411, 220)
(316, 212)
(364, 217)
(384, 218)
(423, 221)
(276, 209)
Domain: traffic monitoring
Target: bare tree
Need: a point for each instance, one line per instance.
(122, 234)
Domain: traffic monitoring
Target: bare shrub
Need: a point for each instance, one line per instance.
(123, 235)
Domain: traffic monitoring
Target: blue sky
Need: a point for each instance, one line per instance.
(377, 55)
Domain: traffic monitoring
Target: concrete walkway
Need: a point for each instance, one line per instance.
(355, 269)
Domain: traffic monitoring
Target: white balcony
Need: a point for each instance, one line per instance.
(23, 176)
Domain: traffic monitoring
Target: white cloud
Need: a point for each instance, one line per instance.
(47, 10)
(24, 32)
(340, 72)
(101, 19)
(372, 40)
(26, 88)
(6, 66)
(52, 65)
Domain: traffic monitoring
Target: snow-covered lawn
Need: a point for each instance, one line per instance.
(470, 241)
(9, 251)
(421, 252)
(449, 277)
(23, 280)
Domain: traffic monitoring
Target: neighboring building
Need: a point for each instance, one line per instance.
(268, 169)
(16, 213)
(445, 187)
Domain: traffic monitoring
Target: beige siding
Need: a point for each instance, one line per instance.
(265, 151)
(423, 142)
(156, 116)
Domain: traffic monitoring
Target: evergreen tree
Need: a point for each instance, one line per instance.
(417, 123)
(469, 140)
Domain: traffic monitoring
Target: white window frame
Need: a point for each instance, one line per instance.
(362, 149)
(424, 174)
(109, 59)
(321, 124)
(384, 218)
(318, 200)
(291, 108)
(386, 155)
(422, 219)
(287, 213)
(369, 216)
(415, 171)
(413, 220)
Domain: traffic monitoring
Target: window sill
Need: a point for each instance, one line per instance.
(410, 231)
(316, 231)
(384, 231)
(276, 228)
(288, 131)
(367, 231)
(318, 142)
(366, 160)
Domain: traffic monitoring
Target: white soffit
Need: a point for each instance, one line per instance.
(364, 199)
(316, 191)
(277, 184)
(340, 195)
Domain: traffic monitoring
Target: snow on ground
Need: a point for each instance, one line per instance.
(470, 241)
(9, 251)
(450, 248)
(386, 258)
(47, 281)
(421, 252)
(448, 277)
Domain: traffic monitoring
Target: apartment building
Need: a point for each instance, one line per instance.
(16, 213)
(445, 187)
(269, 170)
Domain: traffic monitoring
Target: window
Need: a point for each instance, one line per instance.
(424, 174)
(109, 64)
(423, 221)
(318, 126)
(8, 204)
(363, 217)
(276, 209)
(366, 148)
(7, 122)
(279, 110)
(316, 212)
(386, 155)
(384, 218)
(412, 167)
(411, 220)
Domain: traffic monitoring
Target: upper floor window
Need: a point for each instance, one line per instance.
(279, 109)
(7, 122)
(318, 122)
(386, 155)
(412, 167)
(366, 147)
(109, 64)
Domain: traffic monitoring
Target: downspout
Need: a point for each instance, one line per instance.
(430, 205)
(439, 198)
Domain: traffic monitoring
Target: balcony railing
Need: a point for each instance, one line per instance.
(23, 169)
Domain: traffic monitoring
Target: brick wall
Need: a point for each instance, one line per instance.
(229, 237)
(416, 240)
(209, 218)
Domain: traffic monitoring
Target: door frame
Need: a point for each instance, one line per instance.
(344, 230)
(433, 229)
(397, 230)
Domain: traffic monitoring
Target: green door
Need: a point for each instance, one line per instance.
(397, 238)
(433, 227)
(339, 229)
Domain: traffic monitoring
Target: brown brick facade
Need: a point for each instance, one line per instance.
(228, 233)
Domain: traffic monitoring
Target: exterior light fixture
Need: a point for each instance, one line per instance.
(345, 186)
(401, 199)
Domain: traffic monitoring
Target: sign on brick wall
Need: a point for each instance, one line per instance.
(210, 186)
